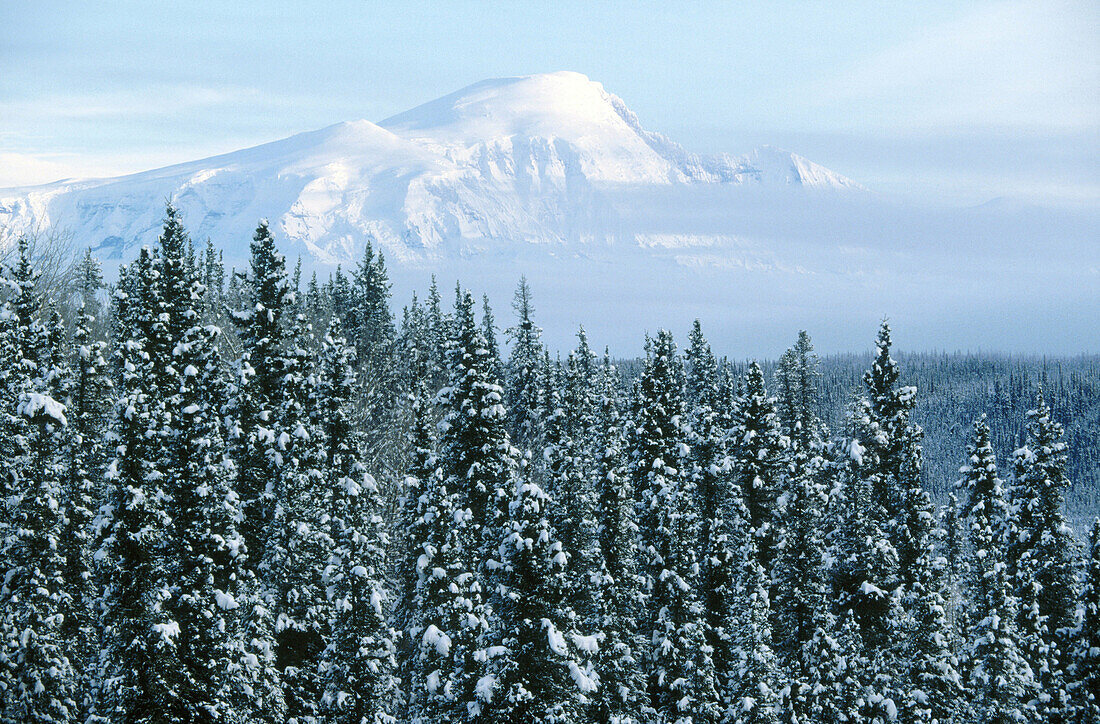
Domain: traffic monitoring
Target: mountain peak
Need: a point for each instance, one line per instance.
(543, 158)
(773, 166)
(547, 104)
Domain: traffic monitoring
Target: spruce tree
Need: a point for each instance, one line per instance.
(718, 498)
(756, 694)
(567, 418)
(477, 467)
(1043, 549)
(865, 572)
(36, 673)
(952, 539)
(89, 393)
(621, 696)
(299, 544)
(831, 692)
(535, 670)
(759, 462)
(797, 378)
(999, 679)
(1084, 689)
(523, 369)
(370, 330)
(257, 387)
(933, 686)
(138, 664)
(678, 665)
(801, 611)
(893, 455)
(440, 613)
(475, 449)
(1002, 684)
(358, 661)
(489, 329)
(412, 532)
(207, 557)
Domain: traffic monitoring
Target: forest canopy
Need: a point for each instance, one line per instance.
(252, 497)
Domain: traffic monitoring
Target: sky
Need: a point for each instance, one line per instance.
(956, 103)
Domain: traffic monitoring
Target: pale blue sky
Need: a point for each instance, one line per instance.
(951, 101)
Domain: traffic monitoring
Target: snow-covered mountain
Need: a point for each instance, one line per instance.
(533, 160)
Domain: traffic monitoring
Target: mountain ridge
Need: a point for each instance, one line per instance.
(535, 159)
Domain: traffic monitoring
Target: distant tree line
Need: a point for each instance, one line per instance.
(249, 498)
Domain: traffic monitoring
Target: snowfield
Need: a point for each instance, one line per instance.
(554, 177)
(533, 159)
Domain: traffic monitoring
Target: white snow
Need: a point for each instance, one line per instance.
(504, 160)
(587, 644)
(585, 683)
(554, 177)
(440, 641)
(34, 404)
(167, 631)
(554, 638)
(225, 601)
(869, 589)
(484, 687)
(855, 452)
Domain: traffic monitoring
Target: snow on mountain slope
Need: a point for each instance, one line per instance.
(557, 122)
(535, 159)
(776, 167)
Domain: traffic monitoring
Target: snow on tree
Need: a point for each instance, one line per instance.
(932, 683)
(801, 613)
(489, 329)
(759, 451)
(89, 391)
(1000, 681)
(412, 532)
(438, 330)
(833, 691)
(678, 665)
(952, 540)
(1002, 684)
(718, 497)
(1043, 549)
(477, 466)
(892, 455)
(621, 696)
(756, 695)
(474, 447)
(866, 567)
(441, 608)
(206, 555)
(370, 330)
(523, 369)
(37, 681)
(564, 473)
(137, 659)
(299, 544)
(797, 378)
(1084, 669)
(358, 661)
(256, 391)
(212, 275)
(369, 323)
(535, 669)
(18, 355)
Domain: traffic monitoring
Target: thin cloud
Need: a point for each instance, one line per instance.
(1016, 64)
(146, 102)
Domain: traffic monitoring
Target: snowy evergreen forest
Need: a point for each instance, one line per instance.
(250, 497)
